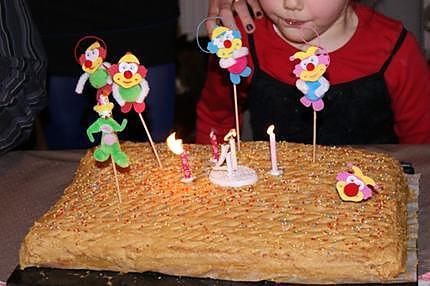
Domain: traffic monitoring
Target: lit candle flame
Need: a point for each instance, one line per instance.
(231, 133)
(270, 129)
(175, 145)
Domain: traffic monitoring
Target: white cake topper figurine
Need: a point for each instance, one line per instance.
(231, 174)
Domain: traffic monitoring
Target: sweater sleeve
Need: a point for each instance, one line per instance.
(214, 108)
(408, 78)
(23, 67)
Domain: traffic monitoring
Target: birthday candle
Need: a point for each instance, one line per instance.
(175, 145)
(214, 144)
(272, 139)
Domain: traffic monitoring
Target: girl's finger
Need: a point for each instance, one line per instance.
(213, 11)
(256, 8)
(226, 13)
(244, 14)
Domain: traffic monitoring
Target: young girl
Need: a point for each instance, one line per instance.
(379, 79)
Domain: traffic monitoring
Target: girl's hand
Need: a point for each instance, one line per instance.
(225, 9)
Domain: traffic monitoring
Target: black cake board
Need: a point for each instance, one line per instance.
(70, 277)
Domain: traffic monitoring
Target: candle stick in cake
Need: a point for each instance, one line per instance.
(272, 139)
(229, 137)
(227, 45)
(130, 90)
(109, 146)
(175, 145)
(214, 145)
(312, 65)
(94, 67)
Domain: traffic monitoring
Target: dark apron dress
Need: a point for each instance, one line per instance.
(356, 112)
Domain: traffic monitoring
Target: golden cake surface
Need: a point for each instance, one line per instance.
(293, 227)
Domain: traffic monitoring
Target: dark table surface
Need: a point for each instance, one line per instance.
(32, 181)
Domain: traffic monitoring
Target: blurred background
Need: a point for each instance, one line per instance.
(162, 35)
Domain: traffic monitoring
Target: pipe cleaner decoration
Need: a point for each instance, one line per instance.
(95, 68)
(354, 186)
(109, 146)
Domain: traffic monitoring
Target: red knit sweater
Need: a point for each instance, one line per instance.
(407, 77)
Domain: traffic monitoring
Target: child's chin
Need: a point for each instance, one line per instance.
(293, 35)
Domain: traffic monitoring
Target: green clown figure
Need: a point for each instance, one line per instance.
(109, 142)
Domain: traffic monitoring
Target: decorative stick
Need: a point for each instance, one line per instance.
(314, 141)
(150, 140)
(118, 191)
(236, 114)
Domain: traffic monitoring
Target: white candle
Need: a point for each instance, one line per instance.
(272, 138)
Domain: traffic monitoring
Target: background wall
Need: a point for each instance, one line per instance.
(192, 13)
(427, 27)
(410, 12)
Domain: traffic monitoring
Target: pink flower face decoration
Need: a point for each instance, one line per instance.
(354, 186)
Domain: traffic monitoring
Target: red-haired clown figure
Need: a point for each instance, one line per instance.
(92, 62)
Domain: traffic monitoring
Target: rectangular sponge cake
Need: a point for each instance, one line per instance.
(288, 228)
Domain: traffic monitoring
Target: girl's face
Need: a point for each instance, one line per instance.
(300, 20)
